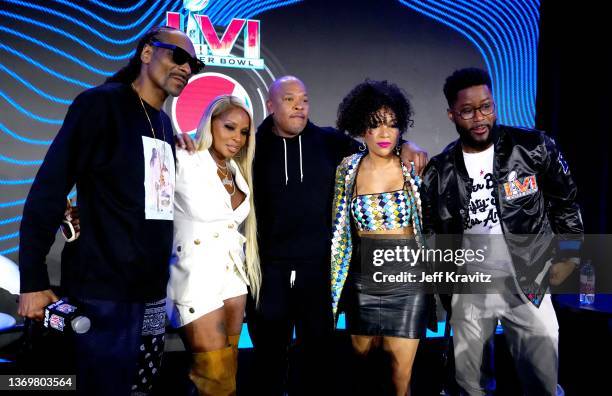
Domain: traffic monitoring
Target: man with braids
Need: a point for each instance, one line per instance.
(117, 146)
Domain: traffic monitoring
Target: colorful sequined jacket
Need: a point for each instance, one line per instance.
(342, 247)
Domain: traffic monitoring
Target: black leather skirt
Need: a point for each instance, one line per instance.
(397, 305)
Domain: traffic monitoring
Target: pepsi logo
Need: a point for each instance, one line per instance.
(189, 106)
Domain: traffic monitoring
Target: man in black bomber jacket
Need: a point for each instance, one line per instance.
(513, 183)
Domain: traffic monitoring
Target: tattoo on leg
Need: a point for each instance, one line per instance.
(221, 328)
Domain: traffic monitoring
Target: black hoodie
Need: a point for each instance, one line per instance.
(293, 191)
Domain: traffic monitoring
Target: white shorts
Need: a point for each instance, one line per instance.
(214, 288)
(206, 268)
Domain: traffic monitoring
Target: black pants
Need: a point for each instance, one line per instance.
(305, 305)
(119, 356)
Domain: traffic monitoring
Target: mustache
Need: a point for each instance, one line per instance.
(466, 138)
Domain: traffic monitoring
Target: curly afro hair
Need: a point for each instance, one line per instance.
(360, 109)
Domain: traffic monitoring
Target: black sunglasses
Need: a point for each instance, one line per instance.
(180, 56)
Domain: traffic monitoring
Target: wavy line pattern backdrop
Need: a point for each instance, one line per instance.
(506, 33)
(52, 50)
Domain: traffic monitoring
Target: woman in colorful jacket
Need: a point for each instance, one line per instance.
(377, 210)
(215, 246)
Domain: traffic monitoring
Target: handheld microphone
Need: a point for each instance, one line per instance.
(65, 318)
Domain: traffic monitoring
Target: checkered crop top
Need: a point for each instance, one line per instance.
(384, 211)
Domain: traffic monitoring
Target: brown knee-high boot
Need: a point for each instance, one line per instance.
(233, 342)
(214, 372)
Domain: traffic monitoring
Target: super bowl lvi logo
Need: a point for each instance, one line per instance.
(519, 187)
(212, 49)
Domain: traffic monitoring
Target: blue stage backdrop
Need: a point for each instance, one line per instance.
(50, 50)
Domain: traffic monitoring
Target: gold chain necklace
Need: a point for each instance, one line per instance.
(148, 119)
(162, 152)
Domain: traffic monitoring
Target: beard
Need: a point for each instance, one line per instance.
(468, 140)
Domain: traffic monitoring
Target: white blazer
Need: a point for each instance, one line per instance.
(207, 231)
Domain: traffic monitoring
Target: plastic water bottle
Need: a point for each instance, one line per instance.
(587, 283)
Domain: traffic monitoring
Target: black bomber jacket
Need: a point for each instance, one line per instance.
(536, 201)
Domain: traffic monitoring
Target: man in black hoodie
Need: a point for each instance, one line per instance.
(294, 171)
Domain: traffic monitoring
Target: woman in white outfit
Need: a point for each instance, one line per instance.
(215, 246)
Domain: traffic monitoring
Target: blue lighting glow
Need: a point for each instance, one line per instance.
(506, 35)
(59, 52)
(13, 249)
(15, 182)
(44, 68)
(9, 236)
(17, 136)
(15, 219)
(246, 343)
(28, 113)
(8, 204)
(87, 27)
(117, 9)
(19, 162)
(31, 87)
